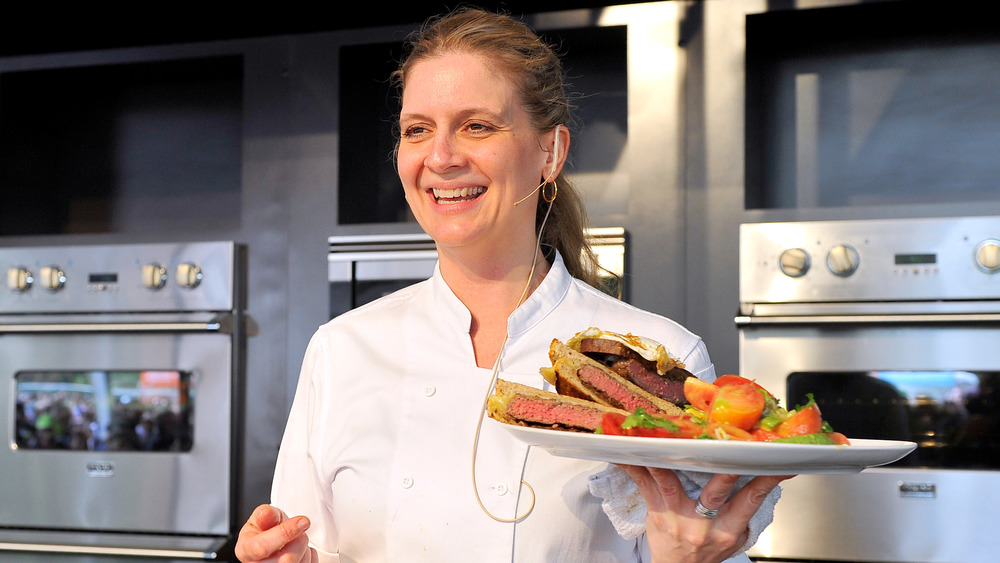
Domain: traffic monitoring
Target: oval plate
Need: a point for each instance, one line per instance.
(716, 456)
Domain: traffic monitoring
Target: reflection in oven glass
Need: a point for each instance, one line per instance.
(953, 416)
(120, 411)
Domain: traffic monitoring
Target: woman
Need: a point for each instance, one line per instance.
(384, 457)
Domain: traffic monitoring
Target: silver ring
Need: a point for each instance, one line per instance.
(706, 513)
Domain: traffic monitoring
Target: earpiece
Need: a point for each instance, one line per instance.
(555, 151)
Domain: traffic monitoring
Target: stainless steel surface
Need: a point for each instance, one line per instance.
(910, 260)
(101, 281)
(216, 324)
(937, 317)
(106, 317)
(870, 517)
(131, 545)
(406, 258)
(380, 257)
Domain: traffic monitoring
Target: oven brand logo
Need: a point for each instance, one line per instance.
(917, 490)
(100, 468)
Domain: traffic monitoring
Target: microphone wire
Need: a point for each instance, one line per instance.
(495, 373)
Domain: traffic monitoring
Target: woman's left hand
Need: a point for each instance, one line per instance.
(677, 533)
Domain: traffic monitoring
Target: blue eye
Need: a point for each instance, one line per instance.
(480, 128)
(413, 131)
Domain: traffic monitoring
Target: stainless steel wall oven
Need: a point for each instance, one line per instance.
(894, 326)
(121, 371)
(362, 268)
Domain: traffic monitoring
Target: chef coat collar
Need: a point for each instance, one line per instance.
(553, 289)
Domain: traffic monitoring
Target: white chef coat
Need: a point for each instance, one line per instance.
(379, 442)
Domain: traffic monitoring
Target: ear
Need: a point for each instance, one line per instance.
(557, 146)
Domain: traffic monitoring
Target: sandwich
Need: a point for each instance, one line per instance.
(644, 362)
(522, 405)
(594, 373)
(574, 374)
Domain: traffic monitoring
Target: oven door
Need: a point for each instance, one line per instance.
(935, 382)
(122, 427)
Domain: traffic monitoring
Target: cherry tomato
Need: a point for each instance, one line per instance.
(699, 393)
(738, 405)
(805, 420)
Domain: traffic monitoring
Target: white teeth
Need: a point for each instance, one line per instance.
(457, 193)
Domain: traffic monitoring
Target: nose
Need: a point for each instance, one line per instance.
(445, 154)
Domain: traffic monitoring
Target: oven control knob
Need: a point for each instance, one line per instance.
(842, 260)
(52, 278)
(988, 256)
(154, 276)
(19, 279)
(188, 275)
(794, 262)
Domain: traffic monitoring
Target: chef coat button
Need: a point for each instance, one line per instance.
(500, 489)
(429, 390)
(407, 482)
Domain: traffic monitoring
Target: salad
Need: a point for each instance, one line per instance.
(731, 408)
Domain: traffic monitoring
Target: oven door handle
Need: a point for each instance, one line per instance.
(962, 318)
(222, 324)
(109, 544)
(111, 550)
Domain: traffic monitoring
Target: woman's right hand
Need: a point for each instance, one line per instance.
(269, 535)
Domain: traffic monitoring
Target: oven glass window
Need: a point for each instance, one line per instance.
(346, 295)
(953, 416)
(130, 411)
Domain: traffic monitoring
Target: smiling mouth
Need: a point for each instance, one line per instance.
(458, 195)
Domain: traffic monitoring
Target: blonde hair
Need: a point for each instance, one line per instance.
(514, 51)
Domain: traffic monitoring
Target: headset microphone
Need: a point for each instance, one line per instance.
(552, 172)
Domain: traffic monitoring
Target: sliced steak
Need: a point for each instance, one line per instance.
(669, 387)
(609, 351)
(615, 391)
(519, 404)
(555, 414)
(629, 364)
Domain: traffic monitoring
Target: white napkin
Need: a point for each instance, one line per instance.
(626, 508)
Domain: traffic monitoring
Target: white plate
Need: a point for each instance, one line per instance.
(716, 456)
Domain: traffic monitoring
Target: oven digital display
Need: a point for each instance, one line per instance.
(915, 259)
(103, 278)
(120, 411)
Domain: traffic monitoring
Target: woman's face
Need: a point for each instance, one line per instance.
(467, 153)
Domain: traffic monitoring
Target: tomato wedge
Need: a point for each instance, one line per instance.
(730, 379)
(642, 424)
(699, 393)
(805, 420)
(611, 424)
(839, 438)
(738, 405)
(764, 435)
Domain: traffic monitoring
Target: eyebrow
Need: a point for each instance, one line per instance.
(463, 114)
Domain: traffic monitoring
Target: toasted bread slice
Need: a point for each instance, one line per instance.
(576, 375)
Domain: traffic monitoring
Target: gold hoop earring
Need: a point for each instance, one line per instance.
(555, 192)
(522, 200)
